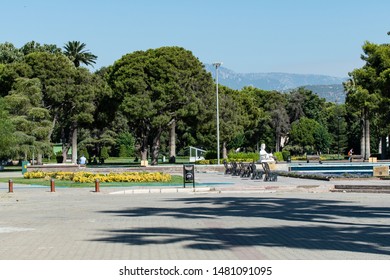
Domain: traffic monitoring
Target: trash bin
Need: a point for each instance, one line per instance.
(24, 166)
(189, 174)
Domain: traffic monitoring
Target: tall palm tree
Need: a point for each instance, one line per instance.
(77, 53)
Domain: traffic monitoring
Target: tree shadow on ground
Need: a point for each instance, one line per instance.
(323, 224)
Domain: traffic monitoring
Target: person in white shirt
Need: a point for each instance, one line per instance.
(83, 160)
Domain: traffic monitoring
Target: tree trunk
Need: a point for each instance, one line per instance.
(224, 150)
(52, 127)
(363, 137)
(65, 149)
(155, 151)
(144, 148)
(144, 154)
(156, 148)
(382, 147)
(74, 144)
(367, 140)
(277, 146)
(39, 159)
(172, 140)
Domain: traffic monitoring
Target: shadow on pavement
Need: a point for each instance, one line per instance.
(321, 224)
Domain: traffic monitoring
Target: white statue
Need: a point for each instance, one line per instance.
(264, 156)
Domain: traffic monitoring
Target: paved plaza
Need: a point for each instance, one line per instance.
(226, 218)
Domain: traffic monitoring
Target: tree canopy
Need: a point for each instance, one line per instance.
(77, 53)
(159, 86)
(163, 98)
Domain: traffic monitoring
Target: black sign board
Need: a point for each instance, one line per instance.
(189, 174)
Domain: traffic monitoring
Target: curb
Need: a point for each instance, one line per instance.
(163, 190)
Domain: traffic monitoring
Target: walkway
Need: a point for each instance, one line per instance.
(226, 218)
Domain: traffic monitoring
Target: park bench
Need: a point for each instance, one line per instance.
(269, 175)
(256, 174)
(228, 167)
(356, 157)
(235, 169)
(239, 168)
(245, 170)
(313, 157)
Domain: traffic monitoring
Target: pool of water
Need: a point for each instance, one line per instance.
(337, 168)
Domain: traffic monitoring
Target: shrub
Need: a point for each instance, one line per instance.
(244, 156)
(202, 161)
(279, 156)
(59, 157)
(123, 151)
(210, 155)
(104, 153)
(286, 155)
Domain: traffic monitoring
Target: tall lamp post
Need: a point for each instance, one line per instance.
(217, 65)
(338, 137)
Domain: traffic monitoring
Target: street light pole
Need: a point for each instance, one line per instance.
(338, 137)
(217, 65)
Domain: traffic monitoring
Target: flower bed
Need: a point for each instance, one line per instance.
(89, 177)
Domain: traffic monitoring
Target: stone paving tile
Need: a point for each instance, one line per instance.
(287, 223)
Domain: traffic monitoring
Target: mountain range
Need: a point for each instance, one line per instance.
(327, 87)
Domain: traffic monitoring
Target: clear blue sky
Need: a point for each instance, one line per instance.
(297, 36)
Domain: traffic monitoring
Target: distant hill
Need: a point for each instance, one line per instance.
(332, 93)
(327, 87)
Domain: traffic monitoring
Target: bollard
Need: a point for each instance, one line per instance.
(10, 186)
(97, 185)
(52, 185)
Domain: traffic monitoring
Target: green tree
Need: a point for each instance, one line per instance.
(366, 88)
(7, 139)
(9, 53)
(273, 122)
(77, 53)
(337, 127)
(322, 139)
(230, 112)
(104, 154)
(295, 107)
(10, 72)
(305, 103)
(280, 123)
(31, 120)
(33, 46)
(158, 87)
(108, 121)
(303, 133)
(126, 143)
(314, 107)
(67, 92)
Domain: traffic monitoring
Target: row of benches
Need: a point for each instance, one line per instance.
(249, 170)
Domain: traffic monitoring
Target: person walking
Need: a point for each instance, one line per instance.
(350, 154)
